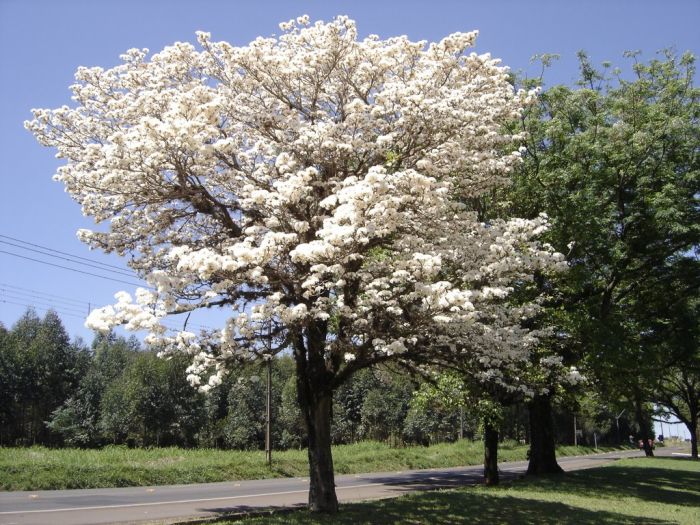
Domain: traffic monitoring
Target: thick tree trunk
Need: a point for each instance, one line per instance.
(316, 402)
(693, 428)
(694, 412)
(490, 455)
(322, 496)
(643, 427)
(543, 459)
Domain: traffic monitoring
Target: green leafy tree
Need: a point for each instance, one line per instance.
(212, 433)
(43, 369)
(614, 163)
(151, 403)
(78, 419)
(452, 391)
(679, 395)
(291, 419)
(347, 406)
(677, 389)
(245, 423)
(385, 406)
(437, 409)
(9, 381)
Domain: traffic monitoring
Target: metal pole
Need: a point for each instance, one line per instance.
(268, 440)
(575, 436)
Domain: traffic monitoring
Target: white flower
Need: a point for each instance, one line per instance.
(309, 176)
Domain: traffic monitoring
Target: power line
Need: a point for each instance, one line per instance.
(91, 263)
(72, 313)
(203, 327)
(63, 298)
(79, 301)
(73, 269)
(19, 292)
(41, 295)
(42, 308)
(59, 251)
(45, 303)
(124, 273)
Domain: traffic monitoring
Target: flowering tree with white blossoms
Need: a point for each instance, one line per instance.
(495, 359)
(310, 184)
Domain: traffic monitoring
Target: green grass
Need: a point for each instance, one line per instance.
(629, 492)
(38, 468)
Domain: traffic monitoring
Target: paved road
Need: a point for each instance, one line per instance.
(176, 502)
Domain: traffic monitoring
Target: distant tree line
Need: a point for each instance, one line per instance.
(60, 393)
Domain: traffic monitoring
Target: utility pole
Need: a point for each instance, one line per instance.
(268, 411)
(268, 440)
(575, 433)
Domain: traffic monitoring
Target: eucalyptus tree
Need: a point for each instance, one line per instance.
(40, 368)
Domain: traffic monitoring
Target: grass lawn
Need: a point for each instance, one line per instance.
(627, 492)
(38, 468)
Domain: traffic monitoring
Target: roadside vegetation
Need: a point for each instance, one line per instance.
(41, 468)
(628, 492)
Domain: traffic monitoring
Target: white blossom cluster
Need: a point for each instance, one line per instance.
(309, 183)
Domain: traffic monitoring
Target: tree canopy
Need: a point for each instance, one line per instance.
(614, 163)
(313, 184)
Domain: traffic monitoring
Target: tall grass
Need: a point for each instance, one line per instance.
(38, 468)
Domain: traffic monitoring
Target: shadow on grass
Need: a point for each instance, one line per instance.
(646, 481)
(444, 508)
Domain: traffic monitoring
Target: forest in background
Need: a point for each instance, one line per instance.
(58, 392)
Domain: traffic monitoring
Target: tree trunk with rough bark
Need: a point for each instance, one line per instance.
(322, 497)
(643, 427)
(693, 428)
(692, 400)
(490, 455)
(543, 459)
(315, 396)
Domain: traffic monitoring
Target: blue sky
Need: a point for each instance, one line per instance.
(43, 42)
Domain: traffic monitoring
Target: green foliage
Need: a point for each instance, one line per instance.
(152, 403)
(613, 162)
(40, 369)
(291, 420)
(427, 426)
(449, 392)
(437, 410)
(348, 402)
(490, 412)
(78, 419)
(244, 428)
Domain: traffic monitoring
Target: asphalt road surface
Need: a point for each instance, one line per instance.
(173, 503)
